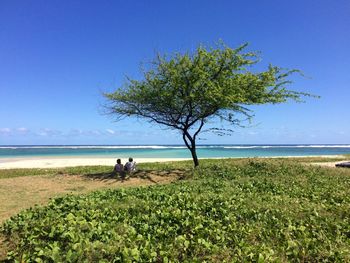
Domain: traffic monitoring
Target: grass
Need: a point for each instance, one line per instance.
(227, 210)
(87, 170)
(321, 159)
(11, 173)
(78, 170)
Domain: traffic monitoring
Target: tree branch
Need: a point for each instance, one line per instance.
(199, 129)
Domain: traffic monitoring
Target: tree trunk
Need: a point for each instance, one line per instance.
(194, 156)
(191, 145)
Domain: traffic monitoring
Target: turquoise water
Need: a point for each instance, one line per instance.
(172, 151)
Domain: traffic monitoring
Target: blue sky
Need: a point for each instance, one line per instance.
(58, 56)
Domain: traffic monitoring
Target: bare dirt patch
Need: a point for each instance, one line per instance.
(20, 193)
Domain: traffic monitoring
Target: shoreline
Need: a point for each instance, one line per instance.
(60, 161)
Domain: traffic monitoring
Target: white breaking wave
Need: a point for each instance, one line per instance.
(323, 146)
(286, 146)
(95, 147)
(174, 147)
(244, 147)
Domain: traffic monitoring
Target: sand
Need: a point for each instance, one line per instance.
(55, 162)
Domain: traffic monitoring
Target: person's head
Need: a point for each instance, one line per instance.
(118, 161)
(131, 159)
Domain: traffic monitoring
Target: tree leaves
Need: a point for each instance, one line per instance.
(184, 91)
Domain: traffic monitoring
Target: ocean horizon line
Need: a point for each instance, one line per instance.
(179, 145)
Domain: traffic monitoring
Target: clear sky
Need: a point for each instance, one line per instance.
(56, 57)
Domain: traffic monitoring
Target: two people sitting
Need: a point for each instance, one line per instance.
(129, 167)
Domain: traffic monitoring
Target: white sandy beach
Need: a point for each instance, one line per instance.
(55, 162)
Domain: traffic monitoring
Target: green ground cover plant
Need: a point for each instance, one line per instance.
(11, 173)
(225, 210)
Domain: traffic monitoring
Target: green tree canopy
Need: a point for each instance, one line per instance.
(185, 91)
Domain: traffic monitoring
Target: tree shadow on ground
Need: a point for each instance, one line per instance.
(139, 174)
(148, 174)
(106, 176)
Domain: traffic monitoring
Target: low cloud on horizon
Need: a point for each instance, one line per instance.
(257, 135)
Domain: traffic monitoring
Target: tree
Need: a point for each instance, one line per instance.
(185, 91)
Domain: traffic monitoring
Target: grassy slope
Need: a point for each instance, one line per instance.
(11, 173)
(90, 170)
(274, 210)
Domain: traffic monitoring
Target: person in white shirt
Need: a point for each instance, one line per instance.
(130, 166)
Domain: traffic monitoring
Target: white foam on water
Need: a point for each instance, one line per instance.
(173, 147)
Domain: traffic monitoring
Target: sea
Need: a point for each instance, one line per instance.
(171, 151)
